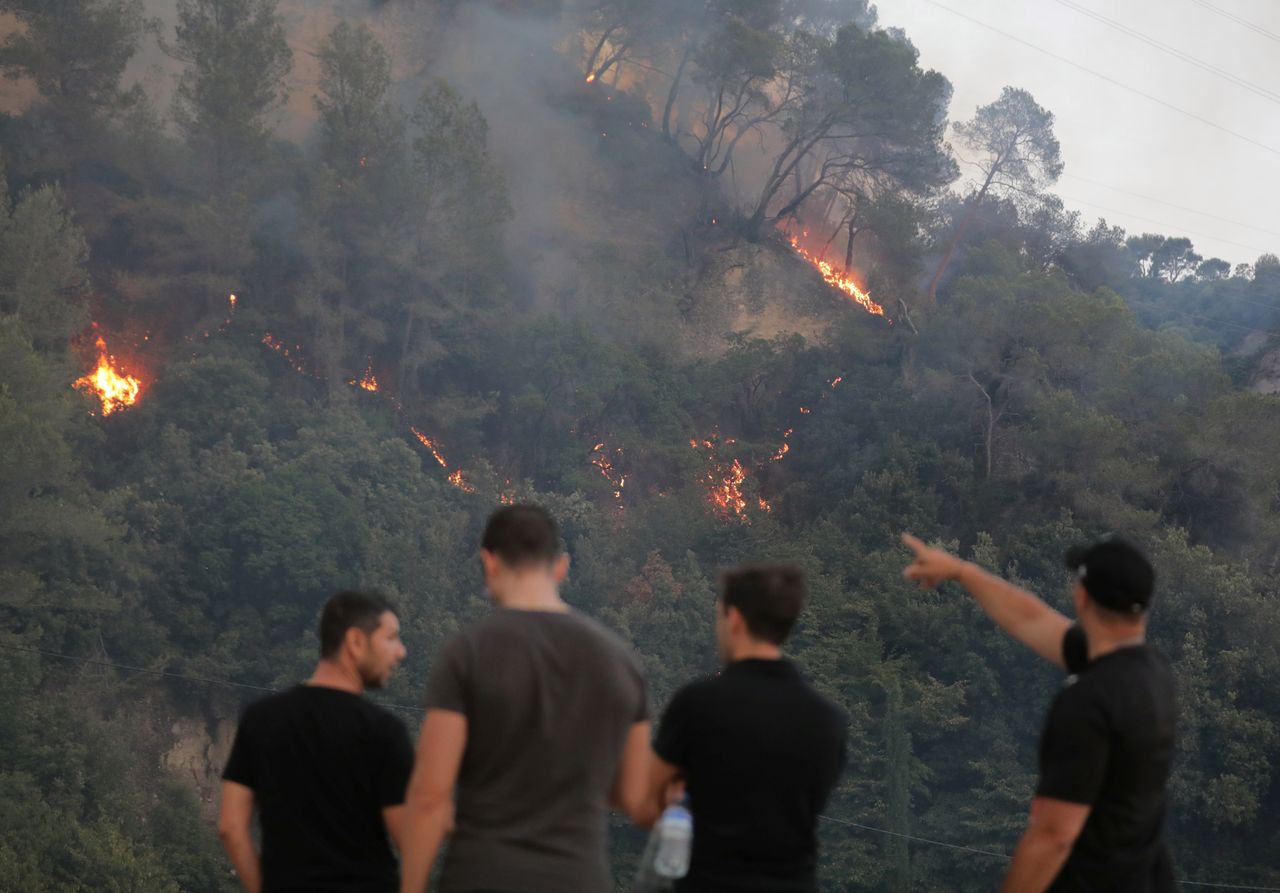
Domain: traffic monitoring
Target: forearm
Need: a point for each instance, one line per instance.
(1036, 862)
(244, 859)
(1019, 613)
(424, 831)
(1010, 606)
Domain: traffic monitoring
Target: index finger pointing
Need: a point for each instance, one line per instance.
(915, 544)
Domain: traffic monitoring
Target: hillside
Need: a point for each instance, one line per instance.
(464, 262)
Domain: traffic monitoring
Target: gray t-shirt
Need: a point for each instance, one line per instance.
(549, 698)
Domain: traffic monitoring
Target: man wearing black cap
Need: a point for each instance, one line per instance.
(1098, 813)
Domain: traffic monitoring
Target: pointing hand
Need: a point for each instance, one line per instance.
(931, 567)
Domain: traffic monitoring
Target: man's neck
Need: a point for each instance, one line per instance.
(531, 594)
(1104, 639)
(332, 674)
(755, 650)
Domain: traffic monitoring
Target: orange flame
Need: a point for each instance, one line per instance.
(368, 381)
(785, 448)
(725, 480)
(591, 78)
(841, 280)
(114, 390)
(430, 445)
(726, 488)
(600, 460)
(454, 477)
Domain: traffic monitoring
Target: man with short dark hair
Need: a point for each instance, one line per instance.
(537, 722)
(759, 750)
(1098, 814)
(325, 768)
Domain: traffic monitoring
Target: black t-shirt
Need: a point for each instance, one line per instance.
(1108, 743)
(760, 751)
(549, 698)
(323, 764)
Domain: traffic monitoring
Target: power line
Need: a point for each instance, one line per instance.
(1105, 77)
(168, 674)
(1257, 29)
(1172, 51)
(950, 846)
(1162, 224)
(1151, 198)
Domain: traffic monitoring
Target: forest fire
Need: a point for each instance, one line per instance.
(726, 488)
(368, 381)
(725, 481)
(454, 477)
(600, 459)
(841, 280)
(112, 388)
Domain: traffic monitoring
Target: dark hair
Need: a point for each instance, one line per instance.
(521, 535)
(347, 609)
(769, 596)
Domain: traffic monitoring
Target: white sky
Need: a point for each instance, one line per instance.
(1111, 136)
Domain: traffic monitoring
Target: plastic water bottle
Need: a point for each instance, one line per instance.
(675, 841)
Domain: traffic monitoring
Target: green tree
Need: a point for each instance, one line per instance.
(861, 105)
(1017, 153)
(237, 58)
(75, 51)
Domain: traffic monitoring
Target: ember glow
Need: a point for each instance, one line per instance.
(782, 451)
(368, 381)
(430, 445)
(454, 477)
(591, 78)
(115, 390)
(726, 488)
(600, 459)
(725, 482)
(842, 280)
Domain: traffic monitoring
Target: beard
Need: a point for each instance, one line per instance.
(373, 680)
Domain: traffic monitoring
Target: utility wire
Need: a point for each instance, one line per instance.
(1162, 223)
(1151, 198)
(1172, 51)
(1257, 29)
(262, 688)
(168, 674)
(1105, 77)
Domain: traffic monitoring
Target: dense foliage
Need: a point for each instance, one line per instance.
(1066, 381)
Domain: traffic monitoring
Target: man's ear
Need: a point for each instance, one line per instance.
(560, 568)
(355, 642)
(488, 564)
(736, 622)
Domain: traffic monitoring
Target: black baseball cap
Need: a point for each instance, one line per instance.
(1115, 574)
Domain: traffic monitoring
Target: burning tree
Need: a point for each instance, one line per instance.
(859, 111)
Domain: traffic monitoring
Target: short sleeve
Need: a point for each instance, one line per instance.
(449, 684)
(239, 766)
(1075, 748)
(1075, 650)
(641, 712)
(397, 766)
(675, 731)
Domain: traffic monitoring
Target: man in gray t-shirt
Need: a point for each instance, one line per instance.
(537, 723)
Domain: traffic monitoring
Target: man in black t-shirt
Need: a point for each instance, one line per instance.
(1097, 818)
(758, 749)
(324, 767)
